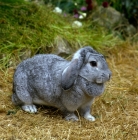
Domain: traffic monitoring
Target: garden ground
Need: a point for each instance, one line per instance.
(116, 111)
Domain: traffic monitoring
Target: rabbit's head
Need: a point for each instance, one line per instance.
(88, 64)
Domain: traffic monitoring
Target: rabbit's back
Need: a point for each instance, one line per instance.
(49, 60)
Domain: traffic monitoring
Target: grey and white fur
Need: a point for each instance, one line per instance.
(50, 80)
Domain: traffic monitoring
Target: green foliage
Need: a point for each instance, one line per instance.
(127, 7)
(29, 28)
(68, 6)
(12, 1)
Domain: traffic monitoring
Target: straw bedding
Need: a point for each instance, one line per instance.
(116, 111)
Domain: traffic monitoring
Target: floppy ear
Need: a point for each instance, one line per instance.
(70, 74)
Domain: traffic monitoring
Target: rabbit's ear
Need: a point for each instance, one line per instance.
(70, 74)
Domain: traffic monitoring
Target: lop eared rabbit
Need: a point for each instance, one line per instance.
(48, 79)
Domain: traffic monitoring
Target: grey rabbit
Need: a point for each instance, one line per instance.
(47, 79)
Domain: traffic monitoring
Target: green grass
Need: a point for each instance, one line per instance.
(27, 27)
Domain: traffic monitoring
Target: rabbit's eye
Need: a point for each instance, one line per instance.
(93, 63)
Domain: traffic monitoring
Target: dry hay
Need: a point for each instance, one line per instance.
(116, 111)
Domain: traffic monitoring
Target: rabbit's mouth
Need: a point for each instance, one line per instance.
(99, 80)
(102, 79)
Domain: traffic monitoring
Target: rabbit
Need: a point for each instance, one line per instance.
(48, 79)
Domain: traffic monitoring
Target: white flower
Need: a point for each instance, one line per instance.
(81, 17)
(84, 14)
(57, 10)
(77, 24)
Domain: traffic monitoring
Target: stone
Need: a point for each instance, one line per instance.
(62, 47)
(113, 20)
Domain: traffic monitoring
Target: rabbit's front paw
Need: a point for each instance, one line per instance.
(29, 108)
(89, 117)
(71, 117)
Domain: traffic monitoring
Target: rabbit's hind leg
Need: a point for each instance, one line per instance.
(22, 95)
(29, 108)
(16, 100)
(27, 103)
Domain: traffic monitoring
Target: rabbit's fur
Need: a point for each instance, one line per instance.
(47, 79)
